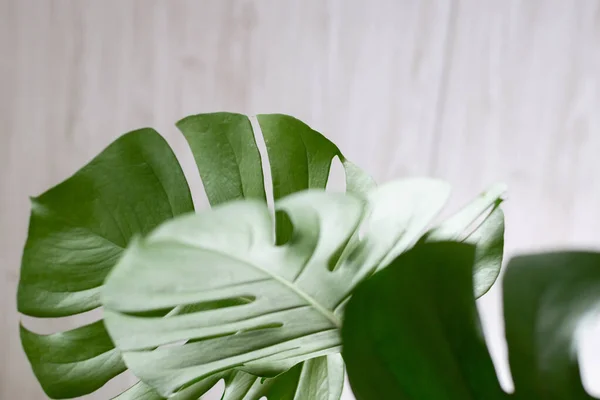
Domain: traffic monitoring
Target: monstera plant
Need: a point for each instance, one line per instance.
(251, 292)
(412, 331)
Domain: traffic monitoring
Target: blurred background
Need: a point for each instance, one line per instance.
(470, 91)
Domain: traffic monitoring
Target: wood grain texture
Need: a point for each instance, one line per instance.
(523, 90)
(471, 91)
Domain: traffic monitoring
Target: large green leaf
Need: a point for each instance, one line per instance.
(77, 231)
(297, 290)
(79, 228)
(229, 253)
(413, 332)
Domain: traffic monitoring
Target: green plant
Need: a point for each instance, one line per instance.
(412, 331)
(245, 296)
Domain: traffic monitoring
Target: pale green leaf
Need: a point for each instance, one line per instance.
(139, 391)
(459, 225)
(399, 213)
(230, 252)
(320, 378)
(357, 181)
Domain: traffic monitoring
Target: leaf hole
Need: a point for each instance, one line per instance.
(274, 325)
(195, 307)
(214, 305)
(264, 157)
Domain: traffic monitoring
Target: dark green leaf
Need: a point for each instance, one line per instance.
(73, 363)
(545, 298)
(226, 154)
(77, 231)
(300, 159)
(412, 332)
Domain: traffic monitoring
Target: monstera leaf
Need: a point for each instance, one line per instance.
(413, 332)
(79, 228)
(295, 292)
(78, 231)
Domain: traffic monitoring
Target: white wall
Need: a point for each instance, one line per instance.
(468, 90)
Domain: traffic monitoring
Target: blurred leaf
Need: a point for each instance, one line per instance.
(546, 296)
(227, 253)
(412, 331)
(480, 223)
